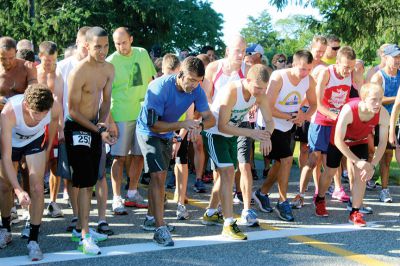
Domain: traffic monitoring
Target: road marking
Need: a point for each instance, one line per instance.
(198, 241)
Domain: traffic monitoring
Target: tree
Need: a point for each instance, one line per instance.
(363, 24)
(172, 24)
(260, 30)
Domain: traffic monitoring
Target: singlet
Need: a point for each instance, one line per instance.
(222, 79)
(239, 110)
(22, 134)
(336, 94)
(65, 67)
(289, 99)
(390, 86)
(357, 132)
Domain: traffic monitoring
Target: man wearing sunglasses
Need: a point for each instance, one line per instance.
(331, 51)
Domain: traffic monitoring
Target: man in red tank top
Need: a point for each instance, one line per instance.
(349, 137)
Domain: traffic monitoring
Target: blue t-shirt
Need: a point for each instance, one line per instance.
(391, 86)
(168, 103)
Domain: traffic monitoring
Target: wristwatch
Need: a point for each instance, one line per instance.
(101, 130)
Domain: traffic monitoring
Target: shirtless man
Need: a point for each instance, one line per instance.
(15, 74)
(85, 127)
(23, 120)
(286, 90)
(47, 74)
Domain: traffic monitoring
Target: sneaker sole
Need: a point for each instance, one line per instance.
(233, 238)
(358, 225)
(256, 200)
(88, 253)
(106, 232)
(283, 218)
(169, 244)
(135, 205)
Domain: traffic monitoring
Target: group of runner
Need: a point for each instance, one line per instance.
(61, 116)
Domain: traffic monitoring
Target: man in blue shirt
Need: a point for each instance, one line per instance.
(167, 98)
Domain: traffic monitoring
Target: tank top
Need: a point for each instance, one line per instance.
(222, 79)
(289, 99)
(357, 132)
(336, 94)
(390, 86)
(22, 134)
(239, 110)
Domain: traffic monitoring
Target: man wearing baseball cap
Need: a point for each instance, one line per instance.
(389, 78)
(255, 53)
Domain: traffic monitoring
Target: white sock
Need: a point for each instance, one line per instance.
(210, 212)
(131, 193)
(115, 198)
(149, 217)
(228, 221)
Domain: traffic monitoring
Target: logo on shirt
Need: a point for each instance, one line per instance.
(338, 98)
(291, 99)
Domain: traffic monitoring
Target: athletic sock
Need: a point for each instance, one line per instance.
(319, 199)
(34, 232)
(210, 212)
(228, 221)
(6, 221)
(353, 210)
(149, 217)
(131, 193)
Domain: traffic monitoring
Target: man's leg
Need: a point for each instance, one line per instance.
(6, 203)
(156, 194)
(283, 177)
(84, 198)
(53, 209)
(226, 175)
(307, 170)
(117, 169)
(246, 183)
(271, 178)
(135, 169)
(384, 195)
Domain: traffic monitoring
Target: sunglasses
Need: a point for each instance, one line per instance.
(281, 61)
(335, 48)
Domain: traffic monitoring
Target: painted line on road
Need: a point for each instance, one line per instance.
(198, 241)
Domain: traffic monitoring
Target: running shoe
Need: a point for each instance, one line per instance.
(207, 177)
(35, 254)
(331, 189)
(88, 246)
(182, 213)
(118, 207)
(26, 230)
(162, 236)
(233, 232)
(5, 237)
(54, 210)
(97, 237)
(384, 196)
(238, 198)
(72, 224)
(14, 216)
(248, 218)
(320, 208)
(136, 201)
(262, 201)
(297, 202)
(103, 228)
(215, 219)
(340, 195)
(254, 174)
(371, 185)
(150, 225)
(284, 211)
(199, 186)
(357, 219)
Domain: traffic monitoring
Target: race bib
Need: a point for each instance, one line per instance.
(81, 138)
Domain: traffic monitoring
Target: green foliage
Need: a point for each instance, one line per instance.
(363, 24)
(173, 24)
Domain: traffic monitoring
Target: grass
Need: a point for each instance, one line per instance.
(394, 177)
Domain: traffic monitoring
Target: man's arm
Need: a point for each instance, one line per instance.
(208, 80)
(312, 100)
(32, 73)
(75, 85)
(383, 136)
(58, 97)
(55, 113)
(106, 103)
(393, 120)
(265, 109)
(274, 87)
(378, 79)
(322, 82)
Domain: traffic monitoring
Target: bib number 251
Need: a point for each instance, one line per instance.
(81, 138)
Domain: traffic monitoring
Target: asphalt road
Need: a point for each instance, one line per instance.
(309, 240)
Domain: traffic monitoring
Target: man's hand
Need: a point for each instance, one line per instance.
(261, 135)
(190, 124)
(113, 129)
(366, 170)
(298, 118)
(392, 138)
(23, 198)
(265, 147)
(107, 138)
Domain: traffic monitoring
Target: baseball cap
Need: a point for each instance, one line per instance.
(255, 48)
(391, 50)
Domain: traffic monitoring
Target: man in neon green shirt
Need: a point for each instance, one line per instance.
(332, 49)
(133, 72)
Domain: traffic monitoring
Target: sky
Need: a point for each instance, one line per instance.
(236, 12)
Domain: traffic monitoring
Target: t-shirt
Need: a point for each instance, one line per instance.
(64, 67)
(168, 103)
(132, 76)
(330, 61)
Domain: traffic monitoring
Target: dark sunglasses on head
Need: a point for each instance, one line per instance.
(335, 48)
(281, 61)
